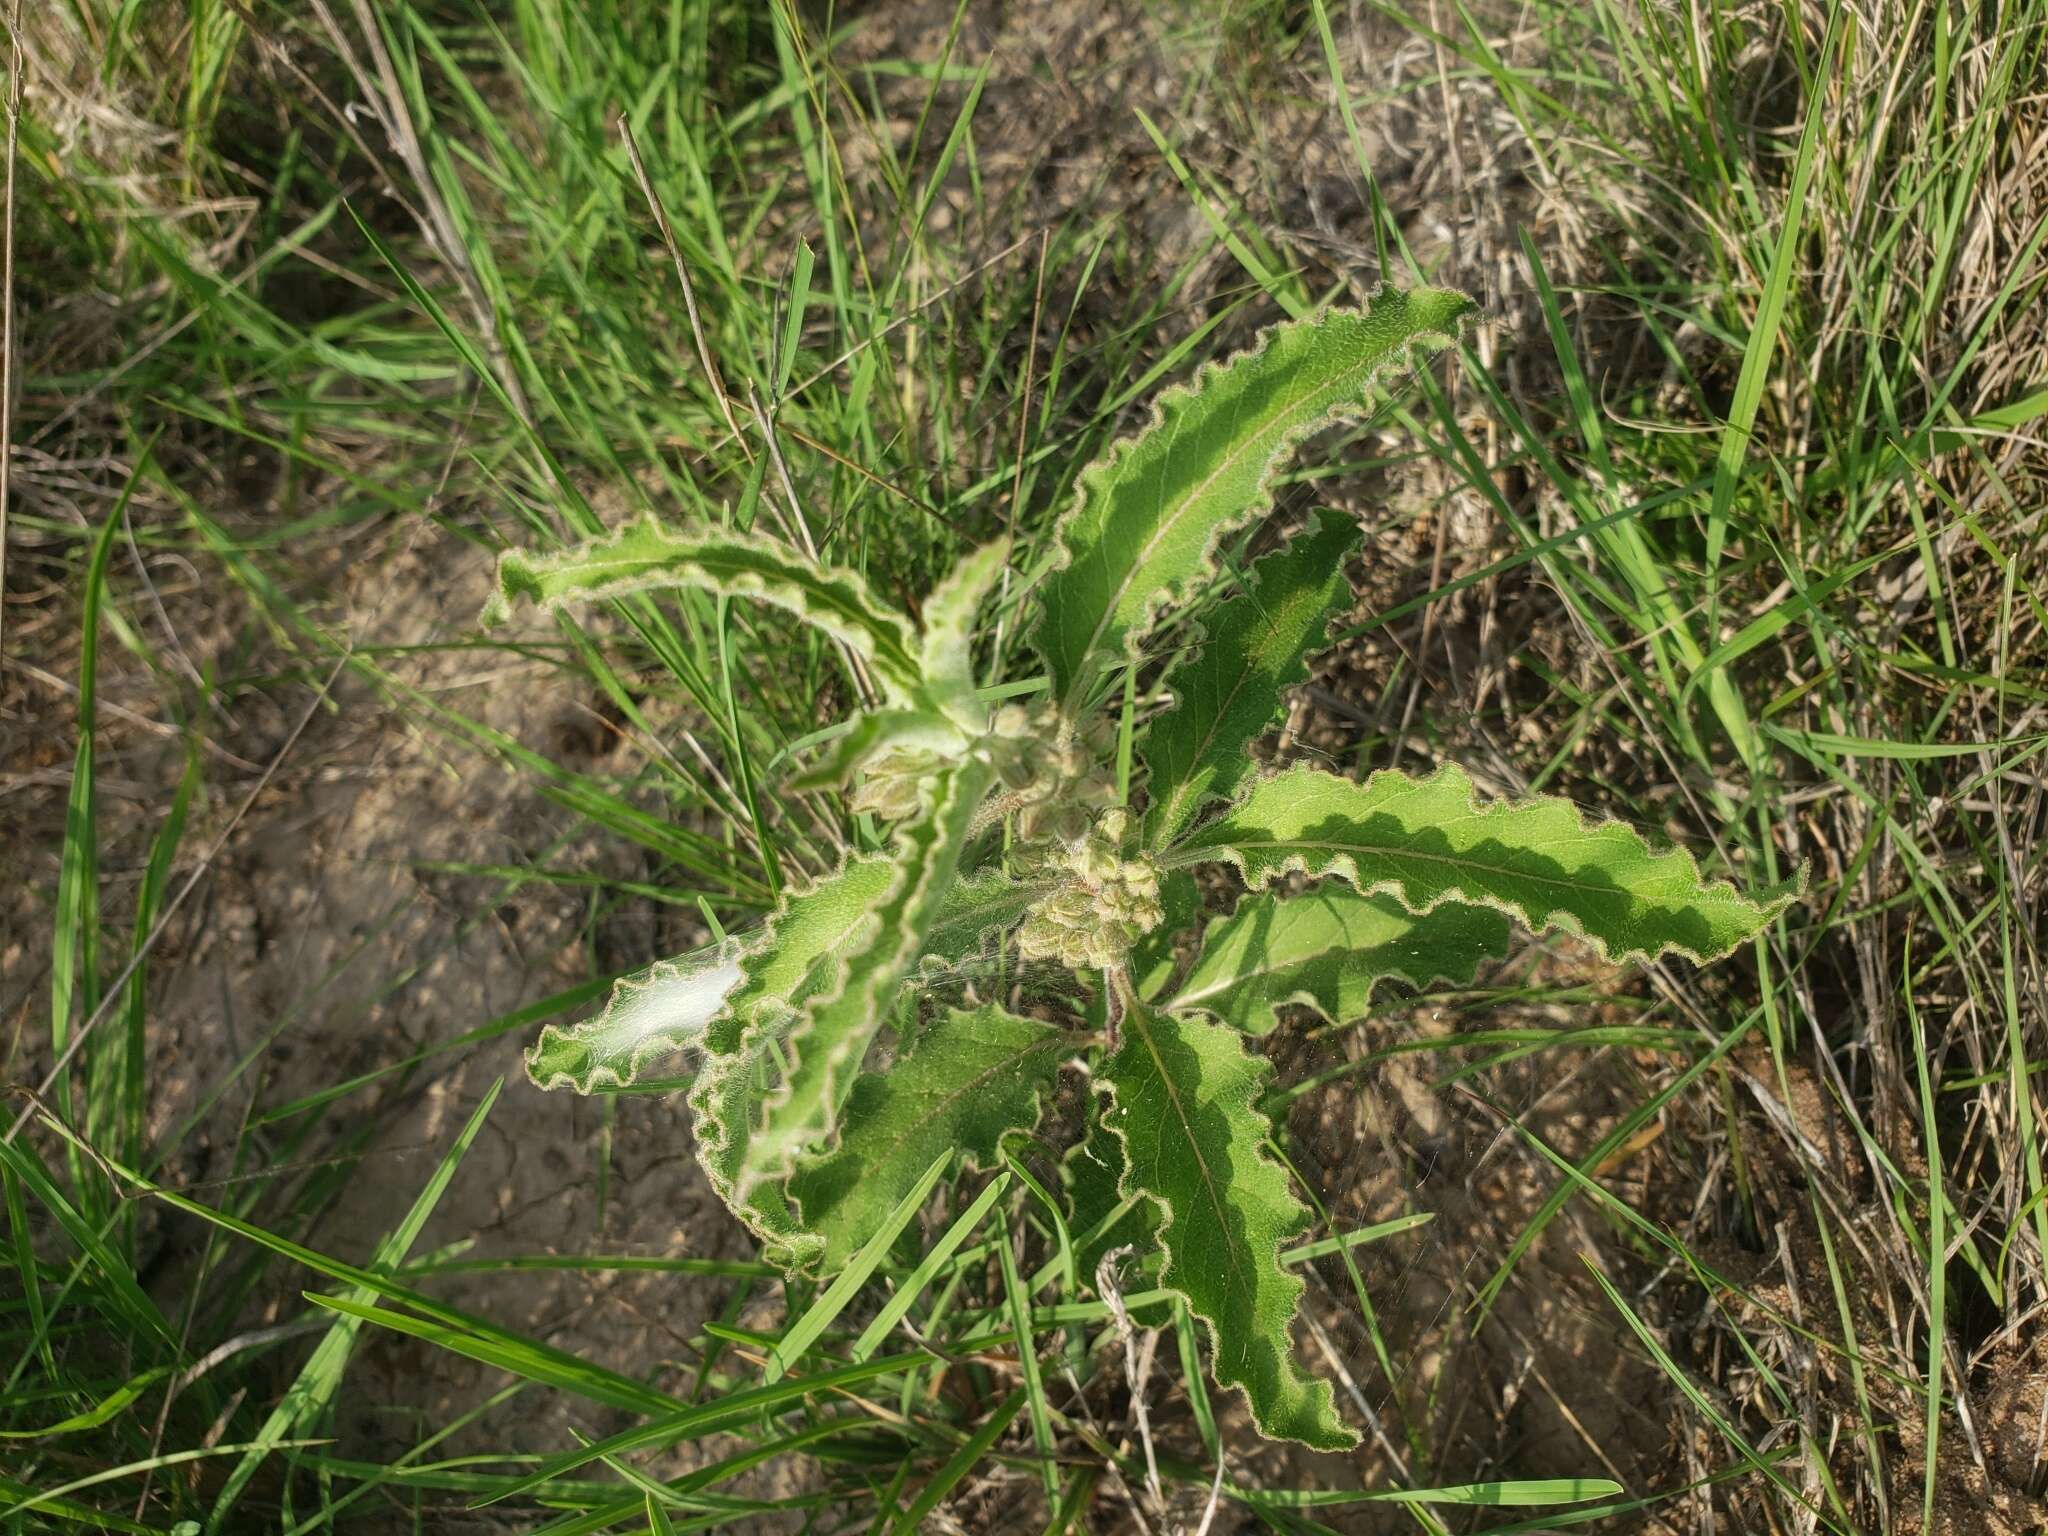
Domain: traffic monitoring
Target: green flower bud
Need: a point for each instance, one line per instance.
(1096, 790)
(1040, 939)
(1093, 862)
(1107, 903)
(1017, 774)
(1065, 822)
(1072, 905)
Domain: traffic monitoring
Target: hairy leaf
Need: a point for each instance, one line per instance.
(1100, 1216)
(968, 1079)
(977, 907)
(796, 958)
(800, 953)
(646, 555)
(650, 1017)
(1185, 1106)
(1252, 652)
(949, 615)
(1155, 955)
(824, 1045)
(1147, 517)
(875, 732)
(1430, 841)
(1330, 947)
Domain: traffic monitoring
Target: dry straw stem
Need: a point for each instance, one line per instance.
(9, 384)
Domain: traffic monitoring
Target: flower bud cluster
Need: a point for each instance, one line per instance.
(1055, 774)
(1101, 909)
(894, 780)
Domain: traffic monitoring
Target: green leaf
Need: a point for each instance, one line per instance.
(645, 556)
(1252, 653)
(797, 957)
(1156, 955)
(872, 733)
(968, 1079)
(825, 1043)
(853, 1268)
(723, 1100)
(977, 906)
(650, 1017)
(1100, 1215)
(1147, 517)
(950, 612)
(1185, 1096)
(1430, 840)
(1329, 948)
(800, 953)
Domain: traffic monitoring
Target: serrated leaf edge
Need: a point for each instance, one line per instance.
(1197, 642)
(1054, 1042)
(709, 1130)
(1101, 471)
(1128, 1186)
(660, 1041)
(1419, 978)
(915, 877)
(945, 647)
(1769, 903)
(767, 1015)
(520, 572)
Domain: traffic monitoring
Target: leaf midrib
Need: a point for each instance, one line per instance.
(1136, 1018)
(1174, 811)
(829, 584)
(869, 973)
(1168, 524)
(789, 1115)
(1339, 942)
(946, 1102)
(1235, 979)
(1354, 851)
(882, 628)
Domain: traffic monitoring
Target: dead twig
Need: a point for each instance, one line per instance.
(1127, 1334)
(9, 386)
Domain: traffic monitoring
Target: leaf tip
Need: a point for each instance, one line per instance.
(514, 579)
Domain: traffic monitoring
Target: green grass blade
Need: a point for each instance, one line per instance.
(823, 1312)
(929, 1267)
(962, 1462)
(319, 1380)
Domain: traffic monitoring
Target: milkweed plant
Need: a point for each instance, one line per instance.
(829, 1078)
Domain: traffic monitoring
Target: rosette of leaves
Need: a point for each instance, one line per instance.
(1000, 826)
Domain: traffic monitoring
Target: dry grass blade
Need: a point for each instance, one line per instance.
(10, 385)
